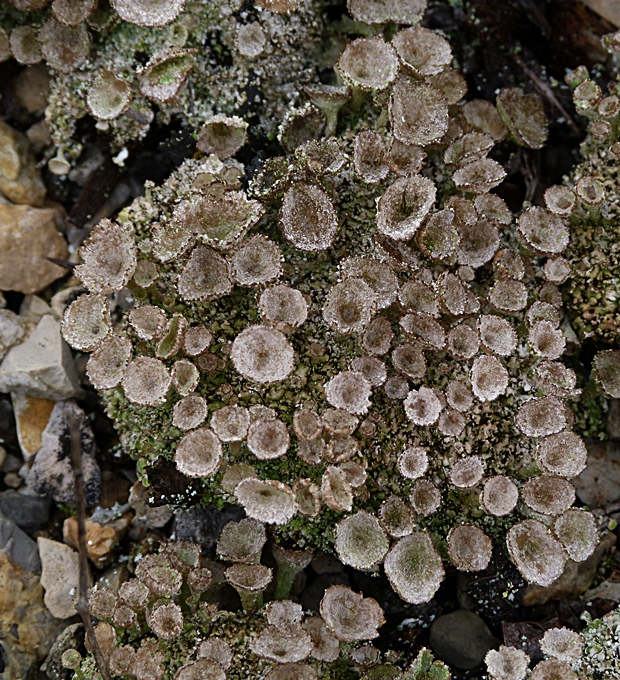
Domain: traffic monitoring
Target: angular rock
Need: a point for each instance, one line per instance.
(20, 181)
(33, 308)
(113, 577)
(18, 546)
(27, 511)
(151, 517)
(60, 577)
(612, 424)
(608, 9)
(12, 330)
(27, 188)
(461, 638)
(28, 628)
(599, 483)
(52, 471)
(13, 151)
(28, 236)
(31, 417)
(41, 366)
(72, 637)
(101, 539)
(574, 581)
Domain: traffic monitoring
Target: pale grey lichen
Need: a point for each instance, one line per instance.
(589, 198)
(415, 345)
(163, 624)
(101, 69)
(362, 347)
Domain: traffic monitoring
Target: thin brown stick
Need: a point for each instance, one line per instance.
(545, 90)
(82, 602)
(62, 263)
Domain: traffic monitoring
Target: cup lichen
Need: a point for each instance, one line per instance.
(355, 341)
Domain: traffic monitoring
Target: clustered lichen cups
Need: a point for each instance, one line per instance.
(365, 351)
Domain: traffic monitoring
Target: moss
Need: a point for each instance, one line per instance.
(600, 658)
(590, 412)
(426, 668)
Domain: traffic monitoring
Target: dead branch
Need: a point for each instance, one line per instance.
(545, 91)
(82, 601)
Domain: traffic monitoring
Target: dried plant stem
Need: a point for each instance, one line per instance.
(82, 602)
(546, 91)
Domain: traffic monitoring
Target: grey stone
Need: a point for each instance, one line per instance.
(12, 330)
(52, 470)
(613, 419)
(153, 518)
(28, 511)
(204, 525)
(42, 365)
(12, 463)
(599, 483)
(59, 577)
(112, 578)
(72, 637)
(18, 546)
(607, 590)
(33, 308)
(461, 639)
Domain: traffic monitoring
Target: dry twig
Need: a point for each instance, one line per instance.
(62, 263)
(82, 602)
(545, 90)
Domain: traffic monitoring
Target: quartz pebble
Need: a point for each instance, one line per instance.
(31, 417)
(101, 539)
(12, 330)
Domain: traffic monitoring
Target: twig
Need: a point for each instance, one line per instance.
(82, 602)
(62, 263)
(545, 90)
